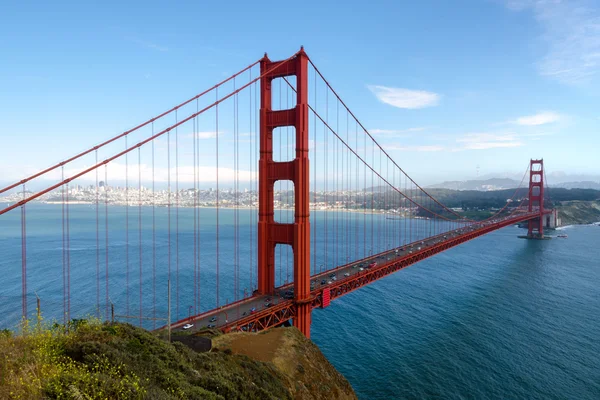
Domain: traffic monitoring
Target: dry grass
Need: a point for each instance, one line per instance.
(308, 374)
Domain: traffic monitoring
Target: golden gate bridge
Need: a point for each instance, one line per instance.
(275, 128)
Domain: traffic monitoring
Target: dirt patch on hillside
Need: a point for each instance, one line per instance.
(309, 374)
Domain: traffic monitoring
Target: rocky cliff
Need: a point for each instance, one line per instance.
(579, 212)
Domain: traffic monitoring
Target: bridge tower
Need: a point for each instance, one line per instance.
(535, 228)
(271, 233)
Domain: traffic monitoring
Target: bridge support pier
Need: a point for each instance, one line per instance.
(271, 233)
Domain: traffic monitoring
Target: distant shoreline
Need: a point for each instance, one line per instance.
(224, 207)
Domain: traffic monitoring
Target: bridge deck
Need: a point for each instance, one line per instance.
(254, 313)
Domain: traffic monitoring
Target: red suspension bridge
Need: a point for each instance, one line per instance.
(253, 202)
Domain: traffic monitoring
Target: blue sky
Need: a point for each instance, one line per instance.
(445, 86)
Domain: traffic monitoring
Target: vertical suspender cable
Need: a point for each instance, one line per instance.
(314, 167)
(153, 238)
(169, 212)
(364, 231)
(68, 259)
(410, 204)
(24, 258)
(394, 206)
(127, 227)
(199, 306)
(97, 245)
(237, 198)
(194, 134)
(106, 238)
(237, 195)
(356, 192)
(64, 248)
(379, 225)
(235, 230)
(176, 217)
(407, 217)
(140, 224)
(251, 168)
(217, 211)
(326, 137)
(336, 183)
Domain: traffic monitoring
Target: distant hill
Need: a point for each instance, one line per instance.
(578, 185)
(507, 183)
(480, 185)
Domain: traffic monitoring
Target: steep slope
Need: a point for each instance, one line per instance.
(579, 212)
(308, 374)
(120, 361)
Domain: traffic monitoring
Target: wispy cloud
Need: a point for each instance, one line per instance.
(484, 141)
(572, 36)
(537, 134)
(395, 133)
(469, 141)
(405, 98)
(185, 173)
(416, 148)
(541, 118)
(148, 45)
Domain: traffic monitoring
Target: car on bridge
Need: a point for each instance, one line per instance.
(372, 265)
(213, 319)
(188, 326)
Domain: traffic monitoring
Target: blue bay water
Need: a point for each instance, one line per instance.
(497, 317)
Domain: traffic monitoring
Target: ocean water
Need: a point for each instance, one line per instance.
(498, 317)
(495, 318)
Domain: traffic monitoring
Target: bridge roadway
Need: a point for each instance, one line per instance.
(260, 312)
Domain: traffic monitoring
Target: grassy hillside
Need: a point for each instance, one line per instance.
(475, 199)
(119, 361)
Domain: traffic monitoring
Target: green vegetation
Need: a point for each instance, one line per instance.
(472, 199)
(576, 206)
(473, 203)
(118, 361)
(96, 360)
